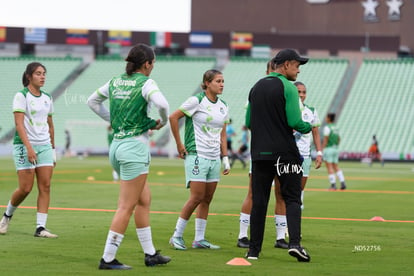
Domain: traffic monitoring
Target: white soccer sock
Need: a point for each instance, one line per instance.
(180, 227)
(281, 225)
(340, 175)
(115, 175)
(10, 209)
(113, 241)
(145, 238)
(244, 225)
(200, 229)
(332, 179)
(41, 219)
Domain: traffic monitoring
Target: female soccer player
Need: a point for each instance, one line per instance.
(34, 147)
(205, 140)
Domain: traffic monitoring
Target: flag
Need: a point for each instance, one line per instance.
(77, 36)
(241, 41)
(35, 35)
(2, 34)
(121, 37)
(161, 39)
(201, 39)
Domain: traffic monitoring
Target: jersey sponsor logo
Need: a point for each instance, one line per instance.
(119, 82)
(121, 94)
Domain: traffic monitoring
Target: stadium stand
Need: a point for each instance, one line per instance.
(322, 77)
(240, 74)
(58, 70)
(177, 78)
(380, 102)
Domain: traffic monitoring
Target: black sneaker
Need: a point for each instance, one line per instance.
(243, 242)
(251, 256)
(114, 264)
(281, 244)
(343, 186)
(156, 259)
(299, 253)
(332, 188)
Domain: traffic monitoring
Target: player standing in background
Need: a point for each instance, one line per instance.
(330, 145)
(242, 150)
(68, 141)
(304, 141)
(206, 116)
(33, 147)
(374, 152)
(130, 95)
(230, 133)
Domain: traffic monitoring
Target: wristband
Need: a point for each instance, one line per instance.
(319, 153)
(226, 163)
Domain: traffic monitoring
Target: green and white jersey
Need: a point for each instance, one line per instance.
(332, 131)
(36, 110)
(129, 98)
(310, 115)
(203, 125)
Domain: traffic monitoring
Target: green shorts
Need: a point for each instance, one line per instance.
(306, 166)
(129, 157)
(200, 169)
(331, 155)
(44, 156)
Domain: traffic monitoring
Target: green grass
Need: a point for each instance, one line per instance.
(334, 226)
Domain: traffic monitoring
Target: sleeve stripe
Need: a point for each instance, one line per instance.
(100, 95)
(152, 92)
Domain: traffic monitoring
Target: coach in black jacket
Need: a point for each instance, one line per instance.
(273, 113)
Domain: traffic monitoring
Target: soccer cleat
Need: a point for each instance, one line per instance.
(178, 243)
(343, 186)
(281, 244)
(4, 224)
(156, 259)
(243, 242)
(299, 253)
(114, 264)
(42, 232)
(332, 188)
(204, 244)
(251, 256)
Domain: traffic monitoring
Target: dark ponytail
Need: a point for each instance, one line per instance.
(137, 56)
(30, 68)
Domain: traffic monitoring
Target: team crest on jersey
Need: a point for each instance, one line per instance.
(221, 110)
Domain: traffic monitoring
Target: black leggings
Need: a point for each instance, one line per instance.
(289, 174)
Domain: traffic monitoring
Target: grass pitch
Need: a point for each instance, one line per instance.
(336, 227)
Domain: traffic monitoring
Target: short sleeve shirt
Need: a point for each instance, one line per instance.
(204, 122)
(310, 115)
(36, 110)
